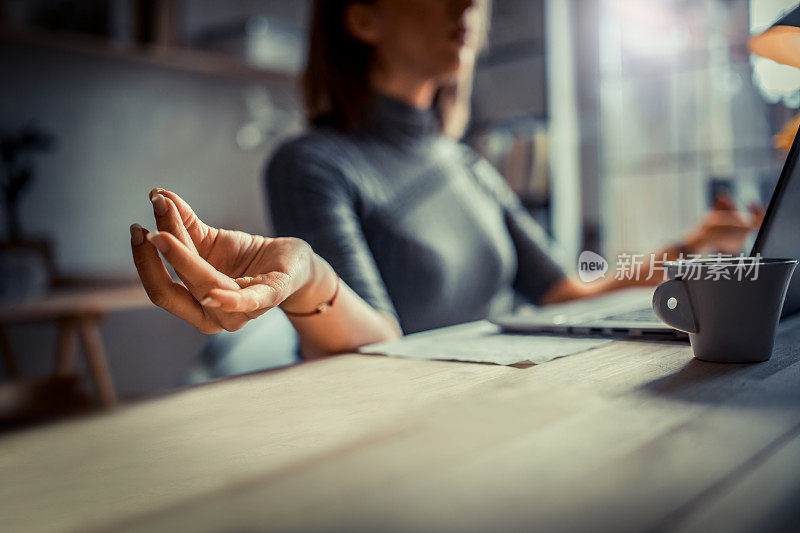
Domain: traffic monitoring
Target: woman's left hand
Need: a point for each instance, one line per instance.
(724, 229)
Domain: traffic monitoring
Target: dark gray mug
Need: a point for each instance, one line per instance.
(730, 307)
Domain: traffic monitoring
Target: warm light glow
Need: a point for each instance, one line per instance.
(650, 29)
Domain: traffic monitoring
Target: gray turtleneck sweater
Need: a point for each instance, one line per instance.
(417, 224)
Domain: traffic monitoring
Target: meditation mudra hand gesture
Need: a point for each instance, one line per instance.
(231, 277)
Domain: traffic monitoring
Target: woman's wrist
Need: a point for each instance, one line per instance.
(320, 286)
(689, 244)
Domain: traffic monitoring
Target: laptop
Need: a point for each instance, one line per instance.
(629, 313)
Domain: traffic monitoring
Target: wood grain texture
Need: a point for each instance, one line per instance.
(768, 489)
(628, 437)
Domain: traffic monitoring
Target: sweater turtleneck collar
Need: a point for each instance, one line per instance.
(399, 122)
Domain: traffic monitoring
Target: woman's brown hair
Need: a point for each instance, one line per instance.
(336, 87)
(336, 79)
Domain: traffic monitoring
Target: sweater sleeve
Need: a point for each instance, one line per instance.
(310, 197)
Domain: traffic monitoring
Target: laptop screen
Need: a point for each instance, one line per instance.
(780, 233)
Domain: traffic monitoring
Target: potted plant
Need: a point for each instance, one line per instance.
(26, 264)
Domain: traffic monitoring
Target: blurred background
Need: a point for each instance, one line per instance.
(616, 122)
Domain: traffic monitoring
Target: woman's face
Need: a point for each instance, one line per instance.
(426, 37)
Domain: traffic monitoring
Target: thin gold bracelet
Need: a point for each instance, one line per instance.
(324, 307)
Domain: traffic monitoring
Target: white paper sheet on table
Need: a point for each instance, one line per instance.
(482, 342)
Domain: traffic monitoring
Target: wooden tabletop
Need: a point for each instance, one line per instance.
(628, 437)
(76, 301)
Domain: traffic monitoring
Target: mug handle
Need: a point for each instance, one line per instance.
(672, 305)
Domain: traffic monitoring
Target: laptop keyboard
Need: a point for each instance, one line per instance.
(645, 314)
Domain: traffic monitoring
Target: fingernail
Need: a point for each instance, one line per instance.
(159, 241)
(159, 204)
(154, 191)
(208, 301)
(137, 234)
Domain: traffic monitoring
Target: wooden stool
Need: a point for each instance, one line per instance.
(78, 314)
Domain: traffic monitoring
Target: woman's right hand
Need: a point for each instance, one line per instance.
(229, 277)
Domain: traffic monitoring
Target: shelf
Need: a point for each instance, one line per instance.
(180, 59)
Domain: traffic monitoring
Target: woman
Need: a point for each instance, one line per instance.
(781, 43)
(421, 231)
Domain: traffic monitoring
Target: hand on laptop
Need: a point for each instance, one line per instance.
(724, 229)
